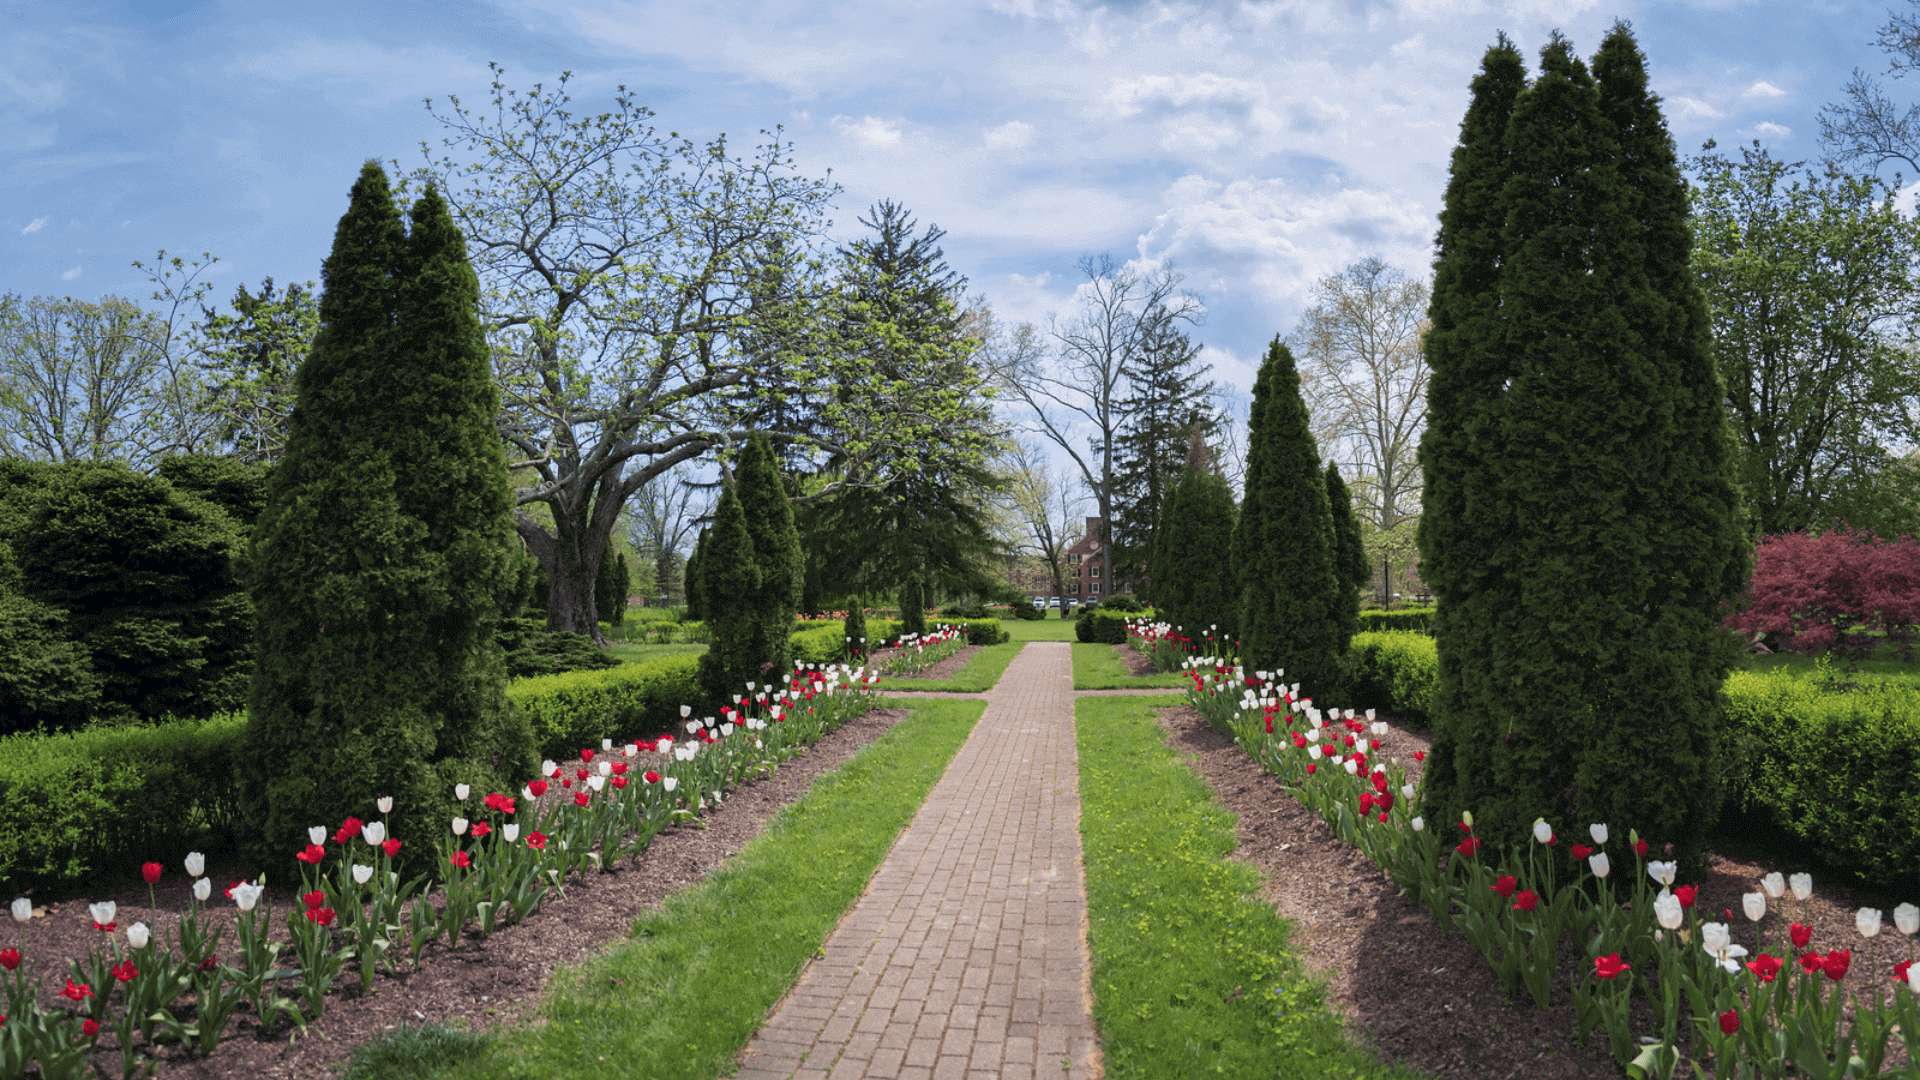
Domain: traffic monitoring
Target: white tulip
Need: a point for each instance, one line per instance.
(1666, 907)
(247, 894)
(547, 767)
(726, 730)
(1715, 936)
(596, 782)
(686, 711)
(138, 935)
(1913, 978)
(1867, 921)
(103, 911)
(606, 744)
(1382, 729)
(384, 804)
(1314, 752)
(22, 910)
(373, 832)
(693, 727)
(526, 792)
(606, 768)
(1907, 918)
(1351, 766)
(1802, 885)
(1661, 872)
(1379, 726)
(362, 874)
(459, 826)
(461, 791)
(1754, 904)
(750, 687)
(1598, 832)
(317, 834)
(1419, 825)
(196, 864)
(1775, 884)
(1406, 791)
(1542, 831)
(511, 832)
(631, 749)
(202, 888)
(1599, 864)
(670, 783)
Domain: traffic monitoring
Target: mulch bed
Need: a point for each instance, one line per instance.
(1424, 996)
(937, 673)
(1138, 663)
(483, 982)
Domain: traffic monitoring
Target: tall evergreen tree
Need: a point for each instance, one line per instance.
(1283, 540)
(1351, 568)
(854, 629)
(385, 558)
(695, 583)
(776, 551)
(730, 583)
(1168, 397)
(913, 606)
(1195, 589)
(1616, 536)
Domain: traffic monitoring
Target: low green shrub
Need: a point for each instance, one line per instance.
(580, 708)
(820, 645)
(1407, 620)
(1395, 673)
(979, 631)
(105, 800)
(1029, 613)
(1101, 626)
(534, 650)
(1124, 602)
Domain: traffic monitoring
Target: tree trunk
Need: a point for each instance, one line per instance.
(572, 559)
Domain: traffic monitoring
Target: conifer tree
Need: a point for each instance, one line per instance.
(1351, 567)
(385, 559)
(695, 584)
(1197, 590)
(1283, 540)
(730, 585)
(854, 629)
(776, 551)
(913, 606)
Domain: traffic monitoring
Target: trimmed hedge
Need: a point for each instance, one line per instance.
(1840, 771)
(1395, 673)
(580, 708)
(979, 631)
(105, 800)
(1407, 620)
(1099, 626)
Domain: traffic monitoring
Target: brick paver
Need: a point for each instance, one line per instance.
(966, 957)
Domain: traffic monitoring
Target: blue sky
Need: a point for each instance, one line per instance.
(1257, 146)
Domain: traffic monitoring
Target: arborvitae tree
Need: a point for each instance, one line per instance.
(1283, 541)
(696, 589)
(610, 587)
(1197, 590)
(1617, 534)
(776, 551)
(622, 585)
(1351, 567)
(386, 557)
(730, 584)
(913, 606)
(854, 628)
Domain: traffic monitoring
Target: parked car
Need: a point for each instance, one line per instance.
(1040, 601)
(1053, 601)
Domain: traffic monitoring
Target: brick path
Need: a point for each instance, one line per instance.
(966, 958)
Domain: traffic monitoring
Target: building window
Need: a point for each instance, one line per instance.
(1073, 559)
(1075, 589)
(1095, 571)
(1094, 589)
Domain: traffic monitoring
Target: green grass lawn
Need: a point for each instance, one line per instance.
(1192, 973)
(682, 995)
(1051, 628)
(975, 676)
(630, 653)
(1885, 665)
(1096, 667)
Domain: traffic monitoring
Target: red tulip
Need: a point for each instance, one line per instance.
(538, 787)
(1526, 901)
(1836, 963)
(150, 871)
(391, 847)
(1685, 894)
(1419, 755)
(1640, 848)
(1811, 962)
(1800, 935)
(580, 774)
(321, 916)
(9, 958)
(1312, 767)
(619, 768)
(89, 1028)
(1729, 1022)
(1505, 886)
(210, 963)
(586, 755)
(1764, 967)
(651, 777)
(313, 854)
(348, 831)
(313, 899)
(1580, 852)
(481, 829)
(1469, 847)
(76, 991)
(619, 782)
(580, 798)
(1366, 802)
(125, 972)
(460, 859)
(537, 841)
(1899, 969)
(1609, 966)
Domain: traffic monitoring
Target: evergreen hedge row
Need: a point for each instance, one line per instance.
(1394, 672)
(1104, 627)
(1409, 620)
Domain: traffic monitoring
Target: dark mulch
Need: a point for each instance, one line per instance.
(938, 672)
(1138, 663)
(483, 982)
(1424, 996)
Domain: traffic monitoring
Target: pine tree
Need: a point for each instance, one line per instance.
(1351, 568)
(730, 584)
(1196, 589)
(1283, 542)
(776, 551)
(385, 559)
(1168, 398)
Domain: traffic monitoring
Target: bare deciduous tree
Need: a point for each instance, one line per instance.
(1046, 508)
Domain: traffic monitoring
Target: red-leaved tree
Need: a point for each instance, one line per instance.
(1834, 591)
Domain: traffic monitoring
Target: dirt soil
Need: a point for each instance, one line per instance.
(1424, 996)
(483, 982)
(1138, 663)
(937, 673)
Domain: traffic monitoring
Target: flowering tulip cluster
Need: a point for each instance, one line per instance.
(353, 908)
(1752, 1012)
(916, 653)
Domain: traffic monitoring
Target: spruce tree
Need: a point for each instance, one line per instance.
(1168, 399)
(730, 585)
(1351, 567)
(1283, 542)
(776, 551)
(1197, 590)
(386, 558)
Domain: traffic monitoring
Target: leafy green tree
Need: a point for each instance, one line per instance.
(385, 559)
(1586, 575)
(250, 355)
(1197, 589)
(1811, 282)
(1283, 540)
(609, 595)
(1351, 567)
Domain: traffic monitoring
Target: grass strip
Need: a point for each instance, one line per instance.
(1098, 667)
(1051, 628)
(686, 991)
(1191, 972)
(975, 676)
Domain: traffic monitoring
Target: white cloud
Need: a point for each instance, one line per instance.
(1687, 108)
(71, 274)
(1764, 89)
(1011, 135)
(1768, 127)
(870, 130)
(34, 226)
(1129, 96)
(1037, 281)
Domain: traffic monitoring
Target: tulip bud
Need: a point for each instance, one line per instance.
(202, 888)
(1907, 918)
(1802, 885)
(1599, 834)
(1599, 864)
(459, 826)
(686, 711)
(317, 834)
(1754, 904)
(1775, 884)
(1466, 817)
(138, 935)
(362, 874)
(1666, 907)
(606, 744)
(461, 791)
(1867, 921)
(196, 864)
(373, 832)
(1419, 824)
(384, 804)
(1542, 832)
(22, 910)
